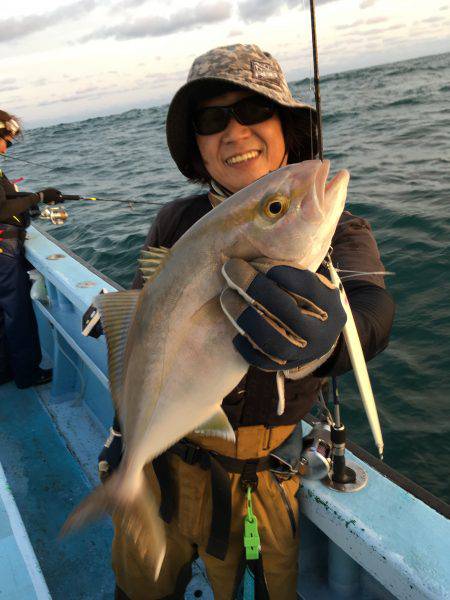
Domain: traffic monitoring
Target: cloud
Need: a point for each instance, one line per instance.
(260, 10)
(9, 87)
(376, 20)
(184, 20)
(9, 84)
(82, 94)
(124, 4)
(435, 19)
(16, 28)
(357, 24)
(350, 25)
(367, 3)
(40, 82)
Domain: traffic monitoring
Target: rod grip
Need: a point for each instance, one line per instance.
(64, 197)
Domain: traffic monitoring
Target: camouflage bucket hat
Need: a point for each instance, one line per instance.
(243, 65)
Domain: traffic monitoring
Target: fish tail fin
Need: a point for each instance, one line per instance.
(91, 508)
(142, 523)
(138, 516)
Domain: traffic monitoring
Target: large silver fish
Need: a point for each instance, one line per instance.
(171, 357)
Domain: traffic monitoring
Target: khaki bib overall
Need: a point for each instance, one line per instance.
(188, 532)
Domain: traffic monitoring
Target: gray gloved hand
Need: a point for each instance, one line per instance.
(50, 196)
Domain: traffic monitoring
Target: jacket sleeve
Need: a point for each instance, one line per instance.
(355, 249)
(13, 206)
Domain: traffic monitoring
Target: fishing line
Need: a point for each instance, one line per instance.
(358, 273)
(29, 162)
(73, 197)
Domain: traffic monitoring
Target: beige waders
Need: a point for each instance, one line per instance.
(189, 530)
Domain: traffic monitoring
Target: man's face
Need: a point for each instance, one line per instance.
(241, 154)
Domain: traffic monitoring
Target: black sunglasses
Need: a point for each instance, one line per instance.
(248, 111)
(8, 143)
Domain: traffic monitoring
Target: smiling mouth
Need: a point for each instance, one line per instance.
(240, 158)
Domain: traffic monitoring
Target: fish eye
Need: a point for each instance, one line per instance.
(275, 205)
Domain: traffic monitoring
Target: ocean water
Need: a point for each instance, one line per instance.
(390, 126)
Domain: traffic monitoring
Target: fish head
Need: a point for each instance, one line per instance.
(291, 214)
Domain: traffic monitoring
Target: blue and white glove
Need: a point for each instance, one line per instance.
(287, 318)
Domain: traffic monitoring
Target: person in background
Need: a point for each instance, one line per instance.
(20, 351)
(233, 122)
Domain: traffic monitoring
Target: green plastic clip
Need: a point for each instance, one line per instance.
(252, 542)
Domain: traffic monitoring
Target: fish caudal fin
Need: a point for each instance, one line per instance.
(137, 516)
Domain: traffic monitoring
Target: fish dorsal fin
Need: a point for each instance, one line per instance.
(217, 426)
(116, 313)
(151, 261)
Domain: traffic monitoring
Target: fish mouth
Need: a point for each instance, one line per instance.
(340, 179)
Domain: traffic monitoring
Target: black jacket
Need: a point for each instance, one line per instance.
(14, 211)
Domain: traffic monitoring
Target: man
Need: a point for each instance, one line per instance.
(20, 352)
(233, 122)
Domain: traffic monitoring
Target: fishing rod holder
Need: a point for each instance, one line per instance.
(323, 459)
(344, 476)
(323, 454)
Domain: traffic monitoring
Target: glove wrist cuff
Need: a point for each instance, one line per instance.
(303, 370)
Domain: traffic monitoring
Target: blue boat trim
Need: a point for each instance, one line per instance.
(404, 482)
(79, 259)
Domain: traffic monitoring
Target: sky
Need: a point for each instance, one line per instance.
(66, 60)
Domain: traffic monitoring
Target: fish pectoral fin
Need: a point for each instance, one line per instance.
(116, 313)
(151, 261)
(217, 426)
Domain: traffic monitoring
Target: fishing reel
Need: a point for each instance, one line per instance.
(316, 453)
(56, 214)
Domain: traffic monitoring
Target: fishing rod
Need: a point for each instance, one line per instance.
(312, 11)
(69, 197)
(350, 332)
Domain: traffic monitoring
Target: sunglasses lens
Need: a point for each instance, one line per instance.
(255, 109)
(247, 111)
(211, 120)
(8, 143)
